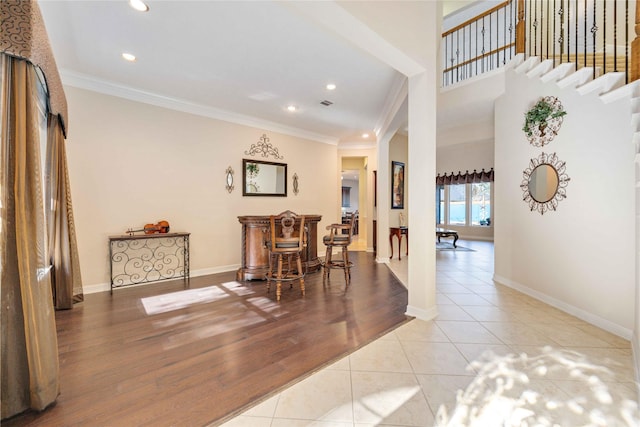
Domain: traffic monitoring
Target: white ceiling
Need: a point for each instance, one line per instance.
(242, 61)
(238, 59)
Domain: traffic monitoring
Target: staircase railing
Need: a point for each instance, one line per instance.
(480, 44)
(588, 33)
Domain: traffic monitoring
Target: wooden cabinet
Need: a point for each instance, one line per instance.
(255, 255)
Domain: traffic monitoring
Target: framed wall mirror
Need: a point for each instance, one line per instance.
(544, 182)
(264, 178)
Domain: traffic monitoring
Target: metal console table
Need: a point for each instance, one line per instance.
(148, 258)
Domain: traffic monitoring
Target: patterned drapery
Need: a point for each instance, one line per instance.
(23, 35)
(29, 350)
(465, 178)
(63, 247)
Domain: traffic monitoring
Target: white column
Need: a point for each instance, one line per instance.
(384, 198)
(421, 181)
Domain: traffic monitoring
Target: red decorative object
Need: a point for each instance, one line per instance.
(160, 227)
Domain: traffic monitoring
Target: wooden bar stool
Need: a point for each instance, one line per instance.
(286, 244)
(340, 236)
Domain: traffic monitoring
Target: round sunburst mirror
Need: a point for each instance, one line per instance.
(544, 183)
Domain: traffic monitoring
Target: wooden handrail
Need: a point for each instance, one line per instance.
(469, 61)
(477, 18)
(631, 35)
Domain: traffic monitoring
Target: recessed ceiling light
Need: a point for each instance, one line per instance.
(365, 135)
(331, 86)
(139, 5)
(129, 57)
(292, 108)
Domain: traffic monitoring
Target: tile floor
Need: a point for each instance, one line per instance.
(492, 357)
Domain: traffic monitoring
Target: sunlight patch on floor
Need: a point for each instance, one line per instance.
(181, 299)
(507, 391)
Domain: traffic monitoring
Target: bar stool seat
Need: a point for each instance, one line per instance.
(286, 243)
(336, 239)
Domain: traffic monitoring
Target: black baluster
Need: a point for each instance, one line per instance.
(585, 33)
(569, 33)
(529, 22)
(626, 40)
(554, 33)
(615, 36)
(594, 30)
(476, 51)
(604, 37)
(483, 49)
(576, 52)
(457, 56)
(547, 36)
(535, 28)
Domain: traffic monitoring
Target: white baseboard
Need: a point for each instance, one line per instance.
(481, 238)
(595, 320)
(214, 270)
(105, 287)
(421, 314)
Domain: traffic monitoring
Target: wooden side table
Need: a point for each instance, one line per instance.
(398, 232)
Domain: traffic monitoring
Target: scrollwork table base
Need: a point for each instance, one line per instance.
(148, 258)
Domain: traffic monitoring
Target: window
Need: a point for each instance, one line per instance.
(464, 204)
(457, 204)
(481, 203)
(440, 204)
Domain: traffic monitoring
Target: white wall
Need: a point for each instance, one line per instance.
(579, 258)
(458, 11)
(132, 163)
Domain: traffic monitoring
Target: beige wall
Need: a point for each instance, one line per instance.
(131, 163)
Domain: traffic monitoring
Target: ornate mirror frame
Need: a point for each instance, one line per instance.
(548, 201)
(262, 178)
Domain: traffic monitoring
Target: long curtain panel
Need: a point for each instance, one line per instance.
(63, 248)
(29, 353)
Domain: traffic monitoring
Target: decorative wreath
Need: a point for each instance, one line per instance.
(543, 121)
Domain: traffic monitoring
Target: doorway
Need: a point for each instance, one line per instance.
(354, 198)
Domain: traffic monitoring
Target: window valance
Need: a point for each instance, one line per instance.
(23, 35)
(465, 178)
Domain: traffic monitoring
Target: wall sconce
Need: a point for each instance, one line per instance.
(295, 184)
(229, 177)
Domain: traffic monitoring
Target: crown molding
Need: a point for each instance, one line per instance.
(395, 97)
(343, 146)
(83, 81)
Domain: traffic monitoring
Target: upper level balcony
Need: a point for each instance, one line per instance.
(486, 35)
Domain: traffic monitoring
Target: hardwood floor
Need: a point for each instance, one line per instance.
(204, 363)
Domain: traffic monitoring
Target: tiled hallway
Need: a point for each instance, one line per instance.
(517, 358)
